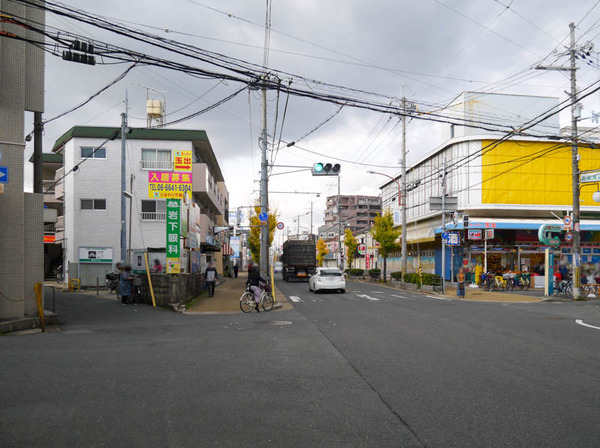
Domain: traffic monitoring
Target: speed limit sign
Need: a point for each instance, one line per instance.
(280, 225)
(567, 220)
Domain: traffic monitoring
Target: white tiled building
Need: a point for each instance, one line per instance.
(91, 197)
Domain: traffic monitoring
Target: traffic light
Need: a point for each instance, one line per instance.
(82, 57)
(326, 169)
(466, 221)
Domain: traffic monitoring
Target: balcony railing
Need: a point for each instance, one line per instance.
(154, 216)
(60, 223)
(48, 186)
(157, 165)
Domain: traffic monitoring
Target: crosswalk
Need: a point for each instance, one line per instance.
(358, 295)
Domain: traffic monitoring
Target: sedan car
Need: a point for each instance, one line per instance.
(327, 279)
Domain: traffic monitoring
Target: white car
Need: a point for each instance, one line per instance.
(330, 279)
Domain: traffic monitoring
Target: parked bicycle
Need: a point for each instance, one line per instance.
(112, 281)
(489, 284)
(136, 289)
(563, 287)
(247, 302)
(59, 274)
(516, 280)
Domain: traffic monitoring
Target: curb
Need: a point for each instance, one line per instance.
(27, 323)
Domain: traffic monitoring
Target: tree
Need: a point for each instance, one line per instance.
(255, 228)
(351, 243)
(322, 250)
(384, 233)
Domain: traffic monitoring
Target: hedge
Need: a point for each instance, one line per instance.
(412, 277)
(355, 272)
(375, 273)
(397, 275)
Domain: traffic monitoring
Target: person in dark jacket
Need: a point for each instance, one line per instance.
(236, 270)
(254, 280)
(211, 278)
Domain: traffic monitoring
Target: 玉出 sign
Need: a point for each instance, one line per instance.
(168, 184)
(182, 161)
(173, 235)
(95, 255)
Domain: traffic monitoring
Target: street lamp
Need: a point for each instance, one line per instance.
(402, 205)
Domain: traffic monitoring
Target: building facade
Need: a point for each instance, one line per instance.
(509, 186)
(89, 185)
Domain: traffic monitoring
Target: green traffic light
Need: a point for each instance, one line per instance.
(318, 167)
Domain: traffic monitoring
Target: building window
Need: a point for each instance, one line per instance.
(154, 210)
(157, 159)
(88, 152)
(93, 204)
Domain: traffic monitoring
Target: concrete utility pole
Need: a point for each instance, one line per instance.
(443, 225)
(264, 194)
(574, 160)
(123, 184)
(403, 192)
(339, 207)
(575, 170)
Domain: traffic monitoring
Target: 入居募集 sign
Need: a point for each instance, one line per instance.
(173, 235)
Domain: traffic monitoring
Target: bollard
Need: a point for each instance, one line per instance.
(40, 306)
(97, 286)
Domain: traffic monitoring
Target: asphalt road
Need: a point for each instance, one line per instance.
(372, 367)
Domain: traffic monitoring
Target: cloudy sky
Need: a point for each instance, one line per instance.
(429, 51)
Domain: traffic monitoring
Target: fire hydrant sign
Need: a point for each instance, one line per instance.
(173, 234)
(168, 184)
(182, 161)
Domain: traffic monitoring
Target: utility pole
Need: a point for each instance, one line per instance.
(123, 182)
(264, 199)
(574, 160)
(131, 177)
(575, 170)
(339, 207)
(443, 225)
(403, 192)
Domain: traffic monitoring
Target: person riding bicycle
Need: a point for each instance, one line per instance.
(254, 280)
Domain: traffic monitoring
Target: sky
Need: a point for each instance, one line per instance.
(428, 51)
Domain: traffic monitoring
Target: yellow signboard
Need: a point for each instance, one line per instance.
(173, 266)
(182, 161)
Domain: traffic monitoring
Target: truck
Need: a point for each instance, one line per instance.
(299, 259)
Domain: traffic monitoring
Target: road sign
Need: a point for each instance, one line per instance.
(362, 249)
(569, 237)
(593, 176)
(567, 220)
(280, 225)
(444, 236)
(263, 217)
(3, 174)
(453, 239)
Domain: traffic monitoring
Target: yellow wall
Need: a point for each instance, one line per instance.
(520, 172)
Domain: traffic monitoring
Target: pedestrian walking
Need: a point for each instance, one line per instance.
(125, 282)
(211, 277)
(460, 288)
(235, 270)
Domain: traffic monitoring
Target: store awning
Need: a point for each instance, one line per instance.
(207, 247)
(515, 224)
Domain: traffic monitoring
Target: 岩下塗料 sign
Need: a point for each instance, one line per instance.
(168, 184)
(95, 255)
(182, 161)
(173, 235)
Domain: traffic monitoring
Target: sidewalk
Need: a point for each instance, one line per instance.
(472, 294)
(227, 298)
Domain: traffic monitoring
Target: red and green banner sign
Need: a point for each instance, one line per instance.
(173, 235)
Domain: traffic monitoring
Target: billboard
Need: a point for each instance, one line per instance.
(168, 184)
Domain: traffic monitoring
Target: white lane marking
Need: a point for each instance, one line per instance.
(580, 322)
(437, 298)
(401, 297)
(295, 299)
(368, 297)
(377, 292)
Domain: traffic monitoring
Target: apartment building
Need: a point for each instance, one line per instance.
(356, 212)
(88, 183)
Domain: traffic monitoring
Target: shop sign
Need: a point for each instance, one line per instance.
(173, 235)
(168, 184)
(95, 255)
(234, 242)
(182, 161)
(489, 234)
(475, 235)
(593, 176)
(453, 239)
(546, 234)
(49, 238)
(362, 249)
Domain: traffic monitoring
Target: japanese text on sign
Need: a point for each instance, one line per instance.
(182, 161)
(168, 185)
(173, 234)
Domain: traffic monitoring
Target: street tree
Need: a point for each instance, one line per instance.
(255, 228)
(351, 243)
(384, 233)
(322, 250)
